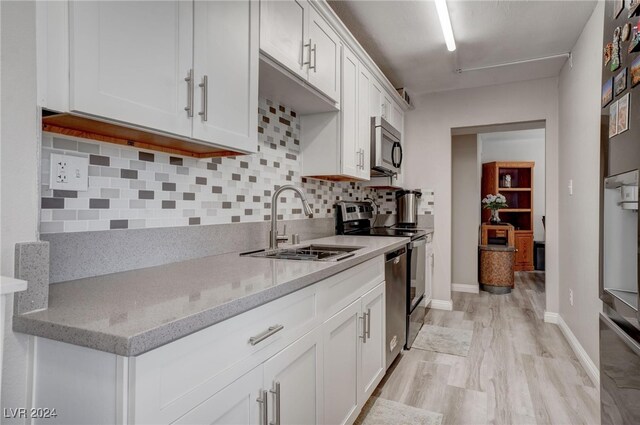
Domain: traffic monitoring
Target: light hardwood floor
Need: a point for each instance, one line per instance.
(519, 370)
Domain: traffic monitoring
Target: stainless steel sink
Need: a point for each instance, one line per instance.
(312, 252)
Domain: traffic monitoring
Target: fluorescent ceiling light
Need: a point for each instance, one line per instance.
(445, 23)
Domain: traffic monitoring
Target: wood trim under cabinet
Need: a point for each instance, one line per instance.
(86, 128)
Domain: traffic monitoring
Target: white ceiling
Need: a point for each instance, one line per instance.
(405, 40)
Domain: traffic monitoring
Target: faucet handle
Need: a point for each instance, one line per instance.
(282, 237)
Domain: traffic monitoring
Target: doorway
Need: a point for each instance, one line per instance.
(517, 144)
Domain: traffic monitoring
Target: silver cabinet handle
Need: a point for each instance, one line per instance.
(307, 62)
(262, 401)
(383, 106)
(364, 328)
(368, 313)
(315, 59)
(189, 80)
(205, 98)
(276, 403)
(266, 334)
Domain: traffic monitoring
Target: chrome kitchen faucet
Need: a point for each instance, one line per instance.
(273, 234)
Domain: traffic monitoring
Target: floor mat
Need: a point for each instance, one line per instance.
(444, 340)
(380, 411)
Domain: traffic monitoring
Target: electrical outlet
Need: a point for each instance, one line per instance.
(570, 187)
(69, 172)
(571, 297)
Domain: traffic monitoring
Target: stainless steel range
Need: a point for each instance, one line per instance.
(355, 218)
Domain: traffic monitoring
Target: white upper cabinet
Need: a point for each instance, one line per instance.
(225, 76)
(337, 144)
(396, 117)
(284, 32)
(386, 106)
(324, 56)
(183, 68)
(376, 101)
(364, 121)
(295, 35)
(129, 60)
(351, 152)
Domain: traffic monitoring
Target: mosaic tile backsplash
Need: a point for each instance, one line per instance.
(129, 188)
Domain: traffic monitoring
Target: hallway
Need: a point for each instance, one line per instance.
(519, 370)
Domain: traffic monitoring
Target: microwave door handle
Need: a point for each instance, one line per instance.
(396, 145)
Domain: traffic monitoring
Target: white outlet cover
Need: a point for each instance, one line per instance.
(69, 172)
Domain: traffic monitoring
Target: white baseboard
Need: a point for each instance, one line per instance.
(426, 302)
(550, 317)
(580, 352)
(442, 305)
(465, 287)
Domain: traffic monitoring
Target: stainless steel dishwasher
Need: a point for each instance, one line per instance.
(395, 274)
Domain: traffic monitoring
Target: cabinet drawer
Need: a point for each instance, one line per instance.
(337, 292)
(173, 379)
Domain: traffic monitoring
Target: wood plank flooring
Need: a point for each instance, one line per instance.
(519, 370)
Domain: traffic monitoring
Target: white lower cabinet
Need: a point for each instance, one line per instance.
(235, 404)
(293, 378)
(354, 356)
(341, 334)
(371, 367)
(311, 357)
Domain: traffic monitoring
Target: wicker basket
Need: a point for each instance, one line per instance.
(496, 268)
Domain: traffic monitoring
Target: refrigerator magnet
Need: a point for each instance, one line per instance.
(607, 92)
(620, 82)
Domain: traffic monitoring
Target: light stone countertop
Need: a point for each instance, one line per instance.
(130, 313)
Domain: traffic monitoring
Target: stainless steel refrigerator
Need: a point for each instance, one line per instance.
(619, 237)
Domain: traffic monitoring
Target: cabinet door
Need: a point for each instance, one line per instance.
(386, 106)
(226, 73)
(342, 336)
(298, 371)
(324, 67)
(351, 155)
(372, 352)
(524, 251)
(129, 60)
(376, 100)
(284, 31)
(364, 121)
(396, 116)
(235, 404)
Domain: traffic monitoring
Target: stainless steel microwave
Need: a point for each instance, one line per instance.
(386, 149)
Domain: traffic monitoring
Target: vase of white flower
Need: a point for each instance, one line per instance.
(494, 203)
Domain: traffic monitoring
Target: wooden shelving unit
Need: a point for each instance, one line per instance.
(520, 200)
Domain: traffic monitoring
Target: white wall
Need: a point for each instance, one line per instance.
(523, 145)
(579, 158)
(19, 150)
(465, 207)
(428, 141)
